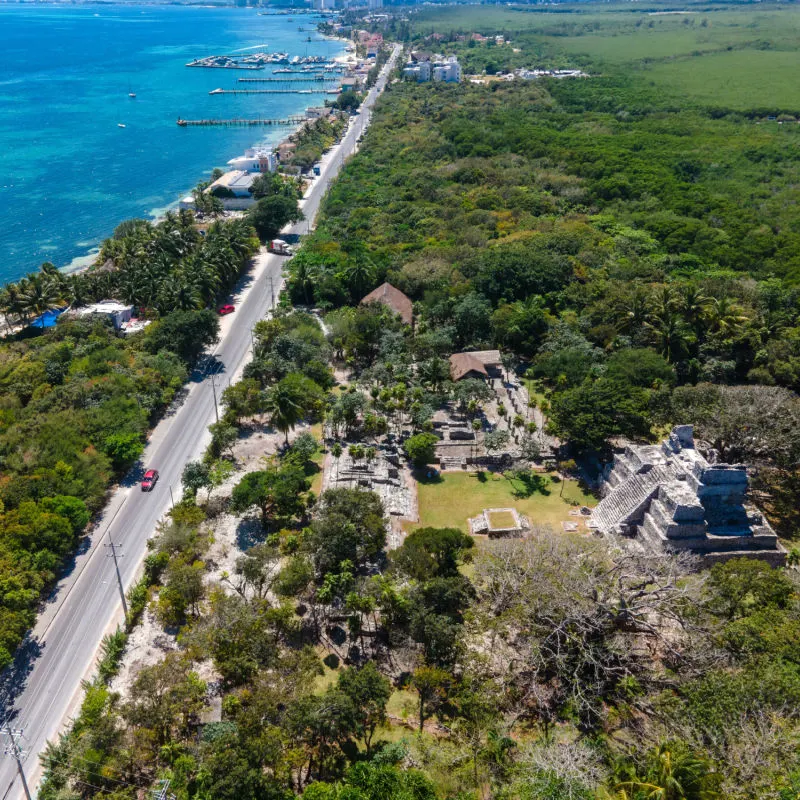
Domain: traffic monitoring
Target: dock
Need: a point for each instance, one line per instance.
(227, 66)
(269, 91)
(315, 70)
(295, 119)
(314, 77)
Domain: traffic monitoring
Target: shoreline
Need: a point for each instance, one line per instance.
(82, 263)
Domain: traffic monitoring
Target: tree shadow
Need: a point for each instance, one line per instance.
(427, 476)
(526, 482)
(249, 532)
(15, 676)
(207, 365)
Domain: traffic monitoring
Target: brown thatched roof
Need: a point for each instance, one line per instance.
(394, 298)
(462, 364)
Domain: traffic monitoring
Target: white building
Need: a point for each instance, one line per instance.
(116, 312)
(233, 188)
(419, 72)
(371, 4)
(534, 74)
(255, 160)
(324, 5)
(448, 70)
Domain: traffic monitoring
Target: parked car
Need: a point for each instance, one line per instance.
(226, 309)
(149, 480)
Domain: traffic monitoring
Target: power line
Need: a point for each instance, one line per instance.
(160, 791)
(11, 737)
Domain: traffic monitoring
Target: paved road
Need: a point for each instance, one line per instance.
(43, 691)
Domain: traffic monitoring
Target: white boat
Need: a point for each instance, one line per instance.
(121, 125)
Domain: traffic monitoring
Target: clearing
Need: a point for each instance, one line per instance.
(453, 497)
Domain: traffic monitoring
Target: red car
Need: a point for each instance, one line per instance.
(228, 309)
(149, 480)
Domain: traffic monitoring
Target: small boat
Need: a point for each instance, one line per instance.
(132, 94)
(121, 125)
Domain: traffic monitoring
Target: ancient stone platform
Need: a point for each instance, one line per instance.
(669, 498)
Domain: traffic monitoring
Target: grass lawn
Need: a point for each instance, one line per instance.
(502, 519)
(328, 678)
(403, 704)
(453, 497)
(535, 393)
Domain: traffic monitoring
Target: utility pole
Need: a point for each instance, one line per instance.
(11, 737)
(214, 390)
(271, 293)
(159, 792)
(113, 554)
(171, 496)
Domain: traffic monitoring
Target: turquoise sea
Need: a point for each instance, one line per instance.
(68, 173)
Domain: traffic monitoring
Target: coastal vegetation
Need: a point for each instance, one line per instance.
(636, 261)
(314, 138)
(78, 400)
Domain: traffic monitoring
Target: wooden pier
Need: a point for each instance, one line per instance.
(313, 70)
(240, 122)
(269, 91)
(313, 77)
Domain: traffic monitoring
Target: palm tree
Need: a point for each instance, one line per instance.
(10, 302)
(693, 306)
(305, 275)
(633, 310)
(359, 275)
(672, 772)
(727, 317)
(434, 372)
(284, 409)
(667, 327)
(336, 452)
(179, 293)
(39, 295)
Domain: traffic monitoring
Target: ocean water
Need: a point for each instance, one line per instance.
(68, 173)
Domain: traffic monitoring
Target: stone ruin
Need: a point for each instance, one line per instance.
(384, 476)
(482, 524)
(669, 498)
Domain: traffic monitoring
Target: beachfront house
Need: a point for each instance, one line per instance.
(233, 189)
(255, 160)
(117, 313)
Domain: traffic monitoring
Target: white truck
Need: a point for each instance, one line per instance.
(279, 247)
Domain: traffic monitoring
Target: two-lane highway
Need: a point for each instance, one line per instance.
(41, 695)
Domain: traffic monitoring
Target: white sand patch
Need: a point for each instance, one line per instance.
(147, 645)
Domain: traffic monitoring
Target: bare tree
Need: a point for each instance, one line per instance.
(570, 623)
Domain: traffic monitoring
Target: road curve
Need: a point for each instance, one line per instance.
(43, 689)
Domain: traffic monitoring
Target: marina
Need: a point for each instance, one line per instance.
(252, 61)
